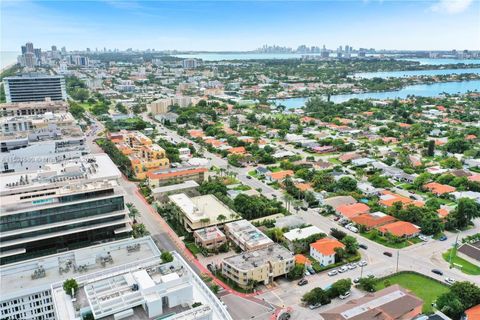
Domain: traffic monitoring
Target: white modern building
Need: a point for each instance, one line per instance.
(118, 280)
(246, 236)
(34, 87)
(64, 205)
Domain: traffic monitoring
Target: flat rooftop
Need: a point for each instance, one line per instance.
(247, 233)
(19, 278)
(89, 168)
(252, 259)
(174, 187)
(209, 233)
(202, 207)
(297, 233)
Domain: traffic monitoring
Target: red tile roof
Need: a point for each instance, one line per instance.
(438, 188)
(352, 210)
(400, 228)
(166, 175)
(327, 246)
(279, 175)
(372, 221)
(301, 259)
(473, 313)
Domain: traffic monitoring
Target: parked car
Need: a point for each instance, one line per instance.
(343, 269)
(356, 280)
(363, 246)
(336, 218)
(302, 282)
(450, 280)
(314, 306)
(439, 272)
(249, 177)
(352, 266)
(388, 254)
(362, 263)
(310, 269)
(332, 273)
(423, 238)
(353, 229)
(345, 296)
(443, 238)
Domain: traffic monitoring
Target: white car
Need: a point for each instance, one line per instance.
(343, 269)
(332, 273)
(450, 280)
(345, 296)
(352, 266)
(362, 263)
(423, 238)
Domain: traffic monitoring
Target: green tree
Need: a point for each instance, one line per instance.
(431, 148)
(316, 295)
(449, 304)
(339, 287)
(351, 244)
(139, 230)
(467, 292)
(70, 286)
(297, 271)
(368, 283)
(166, 257)
(347, 184)
(467, 209)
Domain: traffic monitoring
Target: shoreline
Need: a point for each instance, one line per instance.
(8, 66)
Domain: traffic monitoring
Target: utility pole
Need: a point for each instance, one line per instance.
(398, 257)
(453, 249)
(361, 272)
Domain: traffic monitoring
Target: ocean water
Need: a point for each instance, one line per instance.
(424, 90)
(411, 73)
(7, 58)
(211, 56)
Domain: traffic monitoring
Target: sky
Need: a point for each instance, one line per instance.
(241, 25)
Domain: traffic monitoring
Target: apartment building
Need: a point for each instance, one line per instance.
(144, 155)
(62, 206)
(158, 178)
(209, 238)
(202, 211)
(260, 266)
(34, 87)
(246, 236)
(120, 279)
(32, 108)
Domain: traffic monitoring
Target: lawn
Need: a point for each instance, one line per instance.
(386, 242)
(467, 267)
(423, 287)
(334, 161)
(193, 248)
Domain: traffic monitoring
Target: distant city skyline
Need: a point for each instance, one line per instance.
(241, 26)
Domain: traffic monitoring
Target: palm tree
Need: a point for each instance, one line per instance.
(221, 218)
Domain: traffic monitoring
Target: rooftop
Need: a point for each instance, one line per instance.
(298, 234)
(327, 246)
(247, 234)
(252, 259)
(30, 275)
(202, 207)
(209, 233)
(393, 302)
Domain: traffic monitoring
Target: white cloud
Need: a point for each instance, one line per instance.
(451, 6)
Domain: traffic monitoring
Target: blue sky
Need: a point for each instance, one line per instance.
(241, 25)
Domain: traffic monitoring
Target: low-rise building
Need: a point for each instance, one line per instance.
(144, 155)
(299, 234)
(209, 238)
(246, 236)
(372, 220)
(188, 187)
(164, 177)
(279, 175)
(258, 266)
(349, 211)
(393, 302)
(202, 211)
(323, 250)
(400, 229)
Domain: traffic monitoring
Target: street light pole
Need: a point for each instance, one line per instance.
(398, 257)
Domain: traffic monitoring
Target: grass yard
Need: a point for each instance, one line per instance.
(334, 161)
(467, 267)
(423, 287)
(193, 248)
(385, 241)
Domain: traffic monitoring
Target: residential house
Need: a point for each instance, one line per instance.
(372, 220)
(400, 229)
(323, 250)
